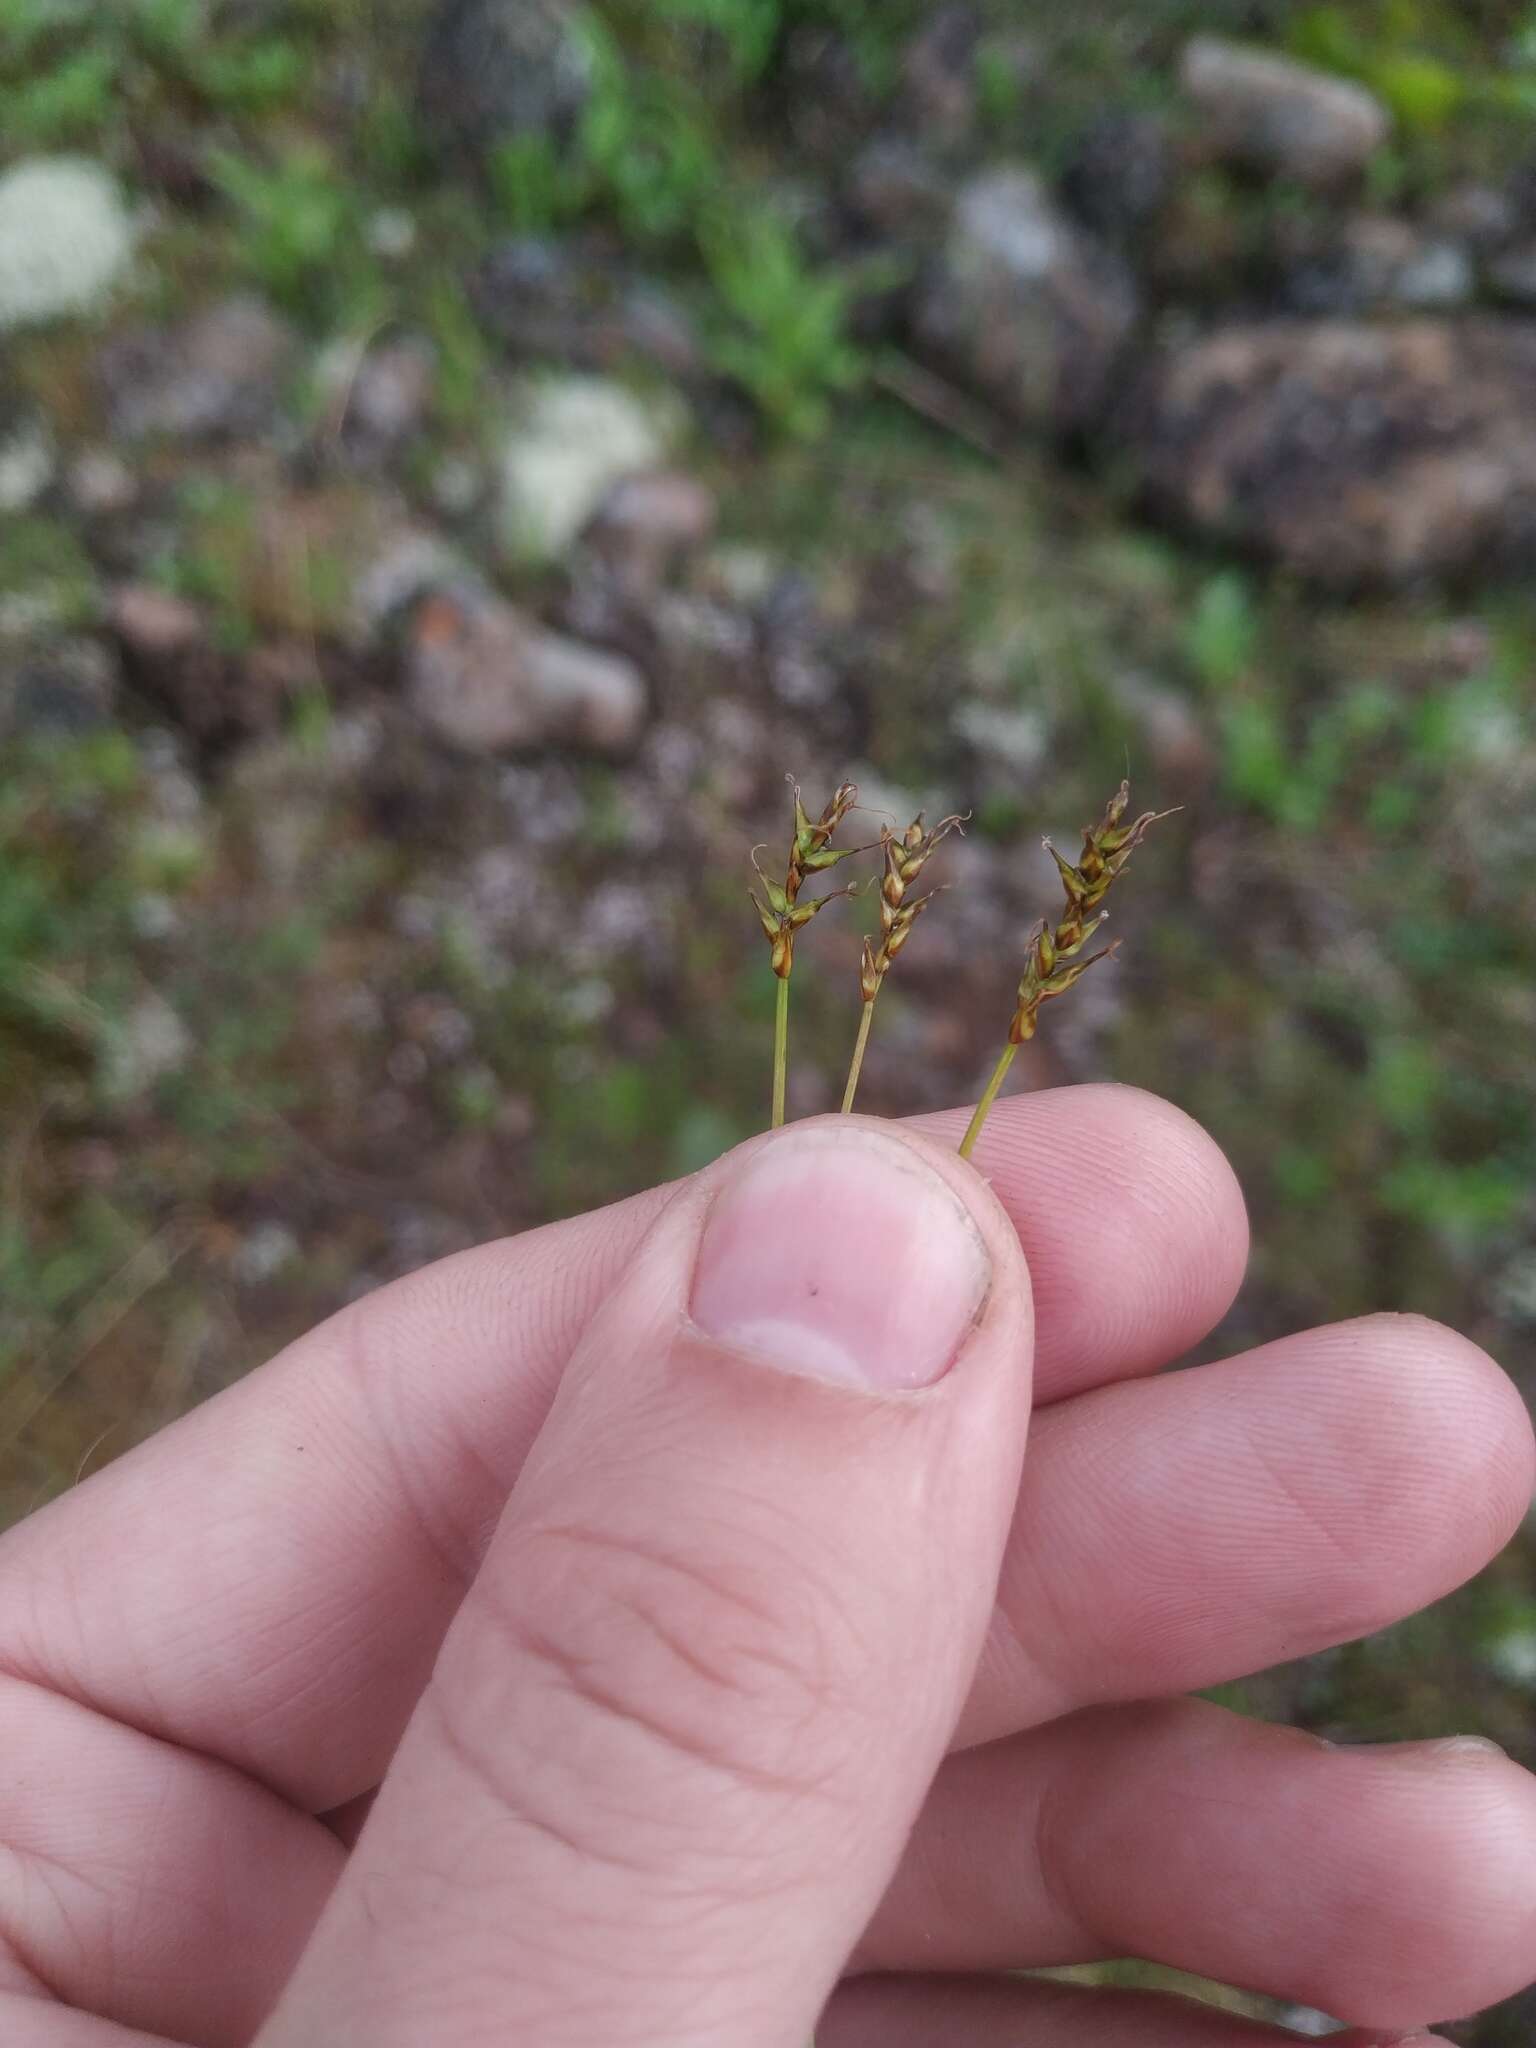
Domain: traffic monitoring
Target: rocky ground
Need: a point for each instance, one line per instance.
(457, 459)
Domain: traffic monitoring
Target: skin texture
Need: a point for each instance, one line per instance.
(658, 1649)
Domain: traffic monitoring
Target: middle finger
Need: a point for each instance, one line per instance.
(1175, 1533)
(1385, 1885)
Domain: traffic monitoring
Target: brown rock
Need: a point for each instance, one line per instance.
(1273, 115)
(218, 375)
(156, 625)
(171, 654)
(1354, 454)
(487, 680)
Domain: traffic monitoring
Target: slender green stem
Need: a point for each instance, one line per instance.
(780, 1050)
(984, 1107)
(857, 1067)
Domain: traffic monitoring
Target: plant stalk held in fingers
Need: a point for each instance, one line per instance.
(783, 916)
(906, 854)
(1056, 953)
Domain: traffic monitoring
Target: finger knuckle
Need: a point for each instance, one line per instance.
(635, 1649)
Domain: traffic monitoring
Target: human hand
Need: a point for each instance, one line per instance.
(658, 1651)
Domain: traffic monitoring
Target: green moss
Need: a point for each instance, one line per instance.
(47, 583)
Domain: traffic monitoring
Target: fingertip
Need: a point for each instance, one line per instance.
(1463, 1884)
(1189, 1179)
(1109, 1182)
(1448, 1397)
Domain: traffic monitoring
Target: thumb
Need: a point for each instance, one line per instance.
(688, 1711)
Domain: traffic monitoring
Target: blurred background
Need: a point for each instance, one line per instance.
(458, 456)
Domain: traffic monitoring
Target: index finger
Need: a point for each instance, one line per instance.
(269, 1580)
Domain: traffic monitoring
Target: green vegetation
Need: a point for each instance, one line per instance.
(1457, 91)
(73, 71)
(783, 334)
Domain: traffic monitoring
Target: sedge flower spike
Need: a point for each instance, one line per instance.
(906, 854)
(1056, 953)
(783, 916)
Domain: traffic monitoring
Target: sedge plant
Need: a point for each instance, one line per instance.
(1057, 959)
(783, 916)
(906, 854)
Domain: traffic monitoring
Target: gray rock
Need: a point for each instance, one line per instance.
(377, 400)
(825, 89)
(27, 458)
(487, 680)
(458, 485)
(410, 563)
(569, 302)
(217, 377)
(1275, 116)
(895, 186)
(1482, 216)
(1121, 173)
(65, 240)
(1025, 306)
(1511, 274)
(647, 524)
(498, 71)
(938, 74)
(66, 686)
(1353, 454)
(1378, 262)
(1434, 277)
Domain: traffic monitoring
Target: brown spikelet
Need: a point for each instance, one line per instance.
(906, 854)
(782, 914)
(1055, 961)
(1056, 952)
(780, 910)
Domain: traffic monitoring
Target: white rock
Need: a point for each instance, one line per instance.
(65, 239)
(263, 1253)
(26, 465)
(392, 233)
(1013, 736)
(574, 439)
(151, 1043)
(1514, 1657)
